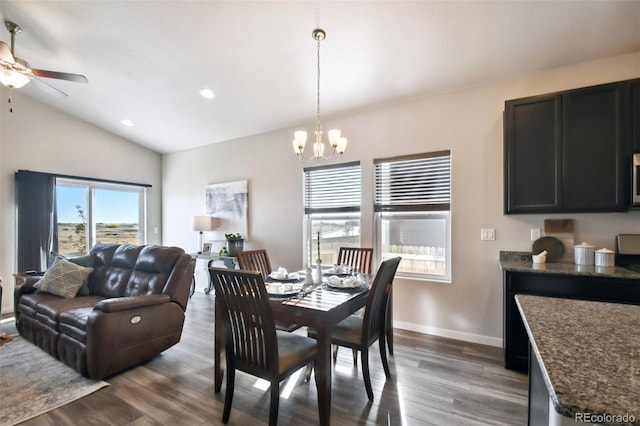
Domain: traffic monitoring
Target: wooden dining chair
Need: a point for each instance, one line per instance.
(258, 260)
(359, 258)
(359, 333)
(255, 260)
(252, 343)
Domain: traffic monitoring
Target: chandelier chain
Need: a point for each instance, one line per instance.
(318, 87)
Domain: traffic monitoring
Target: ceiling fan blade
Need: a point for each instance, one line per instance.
(5, 53)
(46, 87)
(78, 78)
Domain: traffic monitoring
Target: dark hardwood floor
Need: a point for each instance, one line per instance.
(435, 381)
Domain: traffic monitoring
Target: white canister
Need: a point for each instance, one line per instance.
(605, 257)
(583, 254)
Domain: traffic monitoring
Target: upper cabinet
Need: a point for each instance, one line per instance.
(569, 151)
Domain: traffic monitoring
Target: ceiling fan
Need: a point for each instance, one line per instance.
(16, 72)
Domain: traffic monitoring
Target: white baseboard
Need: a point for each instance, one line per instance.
(450, 334)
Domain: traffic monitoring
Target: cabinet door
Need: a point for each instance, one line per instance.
(596, 141)
(532, 153)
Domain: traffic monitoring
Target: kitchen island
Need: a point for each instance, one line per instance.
(584, 363)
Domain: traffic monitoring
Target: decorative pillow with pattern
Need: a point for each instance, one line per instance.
(63, 278)
(87, 261)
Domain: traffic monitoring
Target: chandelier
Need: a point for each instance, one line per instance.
(338, 144)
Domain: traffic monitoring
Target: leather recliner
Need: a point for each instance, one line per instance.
(135, 310)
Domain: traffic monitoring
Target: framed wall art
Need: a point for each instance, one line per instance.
(229, 202)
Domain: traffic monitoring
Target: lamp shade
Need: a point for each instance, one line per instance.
(204, 223)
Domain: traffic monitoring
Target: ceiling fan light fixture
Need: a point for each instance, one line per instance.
(16, 72)
(13, 79)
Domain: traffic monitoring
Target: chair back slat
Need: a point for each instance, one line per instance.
(255, 260)
(375, 313)
(360, 259)
(248, 316)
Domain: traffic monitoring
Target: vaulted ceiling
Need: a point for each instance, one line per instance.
(147, 60)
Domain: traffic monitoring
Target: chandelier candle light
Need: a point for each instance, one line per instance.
(338, 144)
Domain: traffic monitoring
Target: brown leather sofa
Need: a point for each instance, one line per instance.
(134, 309)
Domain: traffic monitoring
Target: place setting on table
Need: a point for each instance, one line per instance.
(283, 284)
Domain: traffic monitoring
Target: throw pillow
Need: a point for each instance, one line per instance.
(87, 261)
(63, 278)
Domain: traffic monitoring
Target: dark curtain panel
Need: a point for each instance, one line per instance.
(36, 217)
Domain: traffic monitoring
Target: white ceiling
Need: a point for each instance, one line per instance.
(146, 60)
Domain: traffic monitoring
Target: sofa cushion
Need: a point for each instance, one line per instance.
(152, 270)
(74, 323)
(28, 304)
(63, 278)
(53, 308)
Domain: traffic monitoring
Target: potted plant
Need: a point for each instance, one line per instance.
(235, 243)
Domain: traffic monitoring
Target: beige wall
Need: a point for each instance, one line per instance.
(38, 138)
(469, 122)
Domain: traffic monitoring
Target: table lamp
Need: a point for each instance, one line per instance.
(202, 224)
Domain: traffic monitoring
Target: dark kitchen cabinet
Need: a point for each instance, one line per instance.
(533, 154)
(569, 151)
(584, 287)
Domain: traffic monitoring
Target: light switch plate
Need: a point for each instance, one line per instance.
(487, 234)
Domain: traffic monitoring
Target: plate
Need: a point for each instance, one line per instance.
(347, 289)
(328, 274)
(287, 280)
(553, 246)
(295, 277)
(295, 290)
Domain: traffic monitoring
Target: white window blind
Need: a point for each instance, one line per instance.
(334, 188)
(419, 182)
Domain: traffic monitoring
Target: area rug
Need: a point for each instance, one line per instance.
(33, 382)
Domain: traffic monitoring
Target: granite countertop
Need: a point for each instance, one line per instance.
(589, 353)
(521, 262)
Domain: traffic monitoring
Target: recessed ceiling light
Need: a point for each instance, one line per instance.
(207, 93)
(127, 122)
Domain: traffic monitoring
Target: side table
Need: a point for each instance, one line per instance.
(230, 262)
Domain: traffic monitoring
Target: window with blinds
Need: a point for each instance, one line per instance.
(335, 188)
(412, 201)
(413, 183)
(332, 198)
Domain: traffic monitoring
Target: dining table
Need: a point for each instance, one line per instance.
(321, 307)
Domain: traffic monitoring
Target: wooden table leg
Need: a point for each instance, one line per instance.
(323, 374)
(218, 345)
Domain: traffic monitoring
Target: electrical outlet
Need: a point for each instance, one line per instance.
(535, 234)
(487, 234)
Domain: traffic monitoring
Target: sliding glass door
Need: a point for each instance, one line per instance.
(90, 212)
